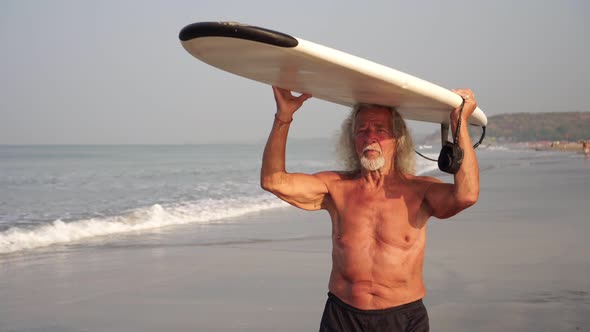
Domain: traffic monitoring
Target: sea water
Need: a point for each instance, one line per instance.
(61, 194)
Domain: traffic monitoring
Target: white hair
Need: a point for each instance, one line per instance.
(404, 161)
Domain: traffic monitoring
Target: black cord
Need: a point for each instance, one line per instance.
(456, 138)
(483, 134)
(423, 156)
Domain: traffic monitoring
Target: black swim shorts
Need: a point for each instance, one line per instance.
(339, 317)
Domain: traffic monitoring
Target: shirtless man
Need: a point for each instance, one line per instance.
(379, 211)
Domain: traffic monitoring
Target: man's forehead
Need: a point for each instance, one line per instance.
(373, 113)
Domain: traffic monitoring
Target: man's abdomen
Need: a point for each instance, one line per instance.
(369, 273)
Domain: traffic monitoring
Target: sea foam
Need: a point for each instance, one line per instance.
(156, 216)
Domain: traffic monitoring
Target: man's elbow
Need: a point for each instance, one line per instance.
(468, 200)
(271, 183)
(266, 183)
(460, 204)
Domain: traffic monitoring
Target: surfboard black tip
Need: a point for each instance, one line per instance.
(236, 30)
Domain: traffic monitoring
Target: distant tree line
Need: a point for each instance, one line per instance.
(526, 127)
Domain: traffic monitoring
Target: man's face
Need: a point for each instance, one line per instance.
(373, 137)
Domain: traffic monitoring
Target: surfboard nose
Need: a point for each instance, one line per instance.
(236, 30)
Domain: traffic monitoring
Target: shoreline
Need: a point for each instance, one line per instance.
(562, 146)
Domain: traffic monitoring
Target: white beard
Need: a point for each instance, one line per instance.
(372, 164)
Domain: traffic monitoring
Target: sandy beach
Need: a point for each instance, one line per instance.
(517, 261)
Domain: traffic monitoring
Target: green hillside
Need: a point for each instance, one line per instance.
(526, 127)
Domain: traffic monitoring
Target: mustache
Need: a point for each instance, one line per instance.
(372, 147)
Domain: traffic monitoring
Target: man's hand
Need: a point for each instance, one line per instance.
(287, 104)
(468, 107)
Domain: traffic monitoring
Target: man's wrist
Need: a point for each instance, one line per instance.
(456, 116)
(281, 121)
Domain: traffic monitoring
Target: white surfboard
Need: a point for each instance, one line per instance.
(292, 63)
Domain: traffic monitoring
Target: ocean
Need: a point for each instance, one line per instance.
(63, 194)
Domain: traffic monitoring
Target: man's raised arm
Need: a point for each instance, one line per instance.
(446, 200)
(301, 190)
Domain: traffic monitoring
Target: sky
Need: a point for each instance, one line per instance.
(114, 72)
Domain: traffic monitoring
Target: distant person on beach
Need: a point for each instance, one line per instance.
(379, 210)
(586, 148)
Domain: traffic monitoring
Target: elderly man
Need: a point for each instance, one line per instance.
(378, 209)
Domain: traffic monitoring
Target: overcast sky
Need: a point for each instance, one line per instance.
(94, 72)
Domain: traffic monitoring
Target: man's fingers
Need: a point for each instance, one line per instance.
(304, 97)
(282, 92)
(287, 94)
(464, 93)
(287, 103)
(469, 104)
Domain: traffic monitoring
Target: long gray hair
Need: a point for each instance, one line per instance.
(404, 161)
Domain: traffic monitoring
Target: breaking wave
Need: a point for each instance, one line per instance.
(202, 211)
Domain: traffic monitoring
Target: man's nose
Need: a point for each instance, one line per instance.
(371, 135)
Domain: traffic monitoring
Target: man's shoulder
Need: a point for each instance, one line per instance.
(421, 179)
(329, 176)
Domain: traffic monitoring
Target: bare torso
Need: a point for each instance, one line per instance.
(378, 241)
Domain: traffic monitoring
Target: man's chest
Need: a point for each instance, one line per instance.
(396, 211)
